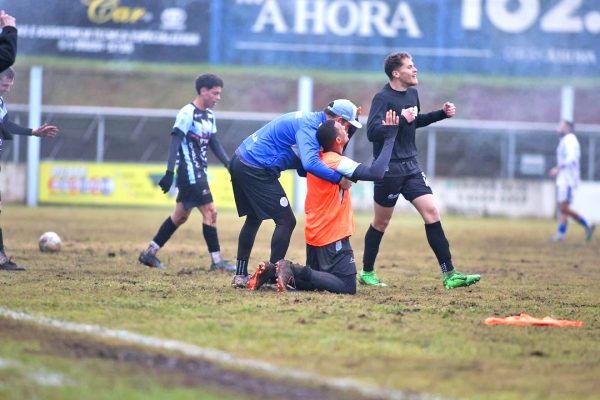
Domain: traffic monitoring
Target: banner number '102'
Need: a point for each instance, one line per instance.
(515, 16)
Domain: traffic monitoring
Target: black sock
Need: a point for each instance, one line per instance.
(372, 241)
(440, 246)
(280, 241)
(211, 237)
(241, 267)
(247, 236)
(165, 232)
(1, 241)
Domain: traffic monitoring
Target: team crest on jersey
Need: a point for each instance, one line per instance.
(338, 245)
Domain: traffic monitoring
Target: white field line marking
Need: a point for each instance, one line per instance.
(220, 357)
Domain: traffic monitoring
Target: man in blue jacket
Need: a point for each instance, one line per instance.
(287, 142)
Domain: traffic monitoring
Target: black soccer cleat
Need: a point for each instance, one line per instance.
(7, 264)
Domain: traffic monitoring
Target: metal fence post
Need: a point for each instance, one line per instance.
(16, 142)
(431, 143)
(592, 159)
(33, 143)
(511, 156)
(100, 138)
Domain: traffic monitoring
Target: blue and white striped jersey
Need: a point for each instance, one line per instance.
(197, 127)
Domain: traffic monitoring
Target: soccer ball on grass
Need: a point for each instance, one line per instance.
(49, 242)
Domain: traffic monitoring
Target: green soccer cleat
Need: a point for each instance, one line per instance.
(456, 279)
(370, 279)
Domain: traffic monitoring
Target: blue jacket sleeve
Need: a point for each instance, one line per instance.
(308, 146)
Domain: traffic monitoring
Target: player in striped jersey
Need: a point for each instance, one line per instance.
(566, 172)
(195, 129)
(7, 130)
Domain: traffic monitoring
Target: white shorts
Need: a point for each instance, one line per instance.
(564, 193)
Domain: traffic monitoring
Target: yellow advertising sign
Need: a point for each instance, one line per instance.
(86, 183)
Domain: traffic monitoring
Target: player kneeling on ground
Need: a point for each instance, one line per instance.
(329, 219)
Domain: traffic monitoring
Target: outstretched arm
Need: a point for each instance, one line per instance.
(10, 128)
(377, 169)
(447, 111)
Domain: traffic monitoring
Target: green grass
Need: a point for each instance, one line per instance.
(30, 371)
(321, 75)
(414, 335)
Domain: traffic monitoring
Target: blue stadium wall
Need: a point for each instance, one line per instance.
(497, 37)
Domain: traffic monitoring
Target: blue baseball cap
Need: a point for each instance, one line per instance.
(345, 109)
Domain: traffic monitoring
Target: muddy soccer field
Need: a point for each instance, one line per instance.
(90, 322)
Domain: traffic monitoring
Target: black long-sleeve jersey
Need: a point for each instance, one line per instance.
(8, 47)
(404, 155)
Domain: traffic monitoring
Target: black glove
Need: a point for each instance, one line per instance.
(166, 181)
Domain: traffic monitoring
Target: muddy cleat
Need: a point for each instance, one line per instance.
(263, 274)
(456, 279)
(239, 281)
(589, 232)
(7, 264)
(150, 260)
(222, 266)
(285, 276)
(370, 279)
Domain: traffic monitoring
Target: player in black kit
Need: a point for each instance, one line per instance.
(405, 176)
(7, 130)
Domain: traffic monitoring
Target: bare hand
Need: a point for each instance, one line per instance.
(345, 183)
(449, 109)
(409, 114)
(391, 118)
(6, 20)
(358, 112)
(45, 131)
(553, 172)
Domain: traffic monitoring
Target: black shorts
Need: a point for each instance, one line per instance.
(194, 195)
(257, 191)
(387, 190)
(335, 258)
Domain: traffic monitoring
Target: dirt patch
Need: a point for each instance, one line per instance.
(171, 369)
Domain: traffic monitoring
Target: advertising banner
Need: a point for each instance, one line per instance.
(122, 184)
(505, 37)
(152, 30)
